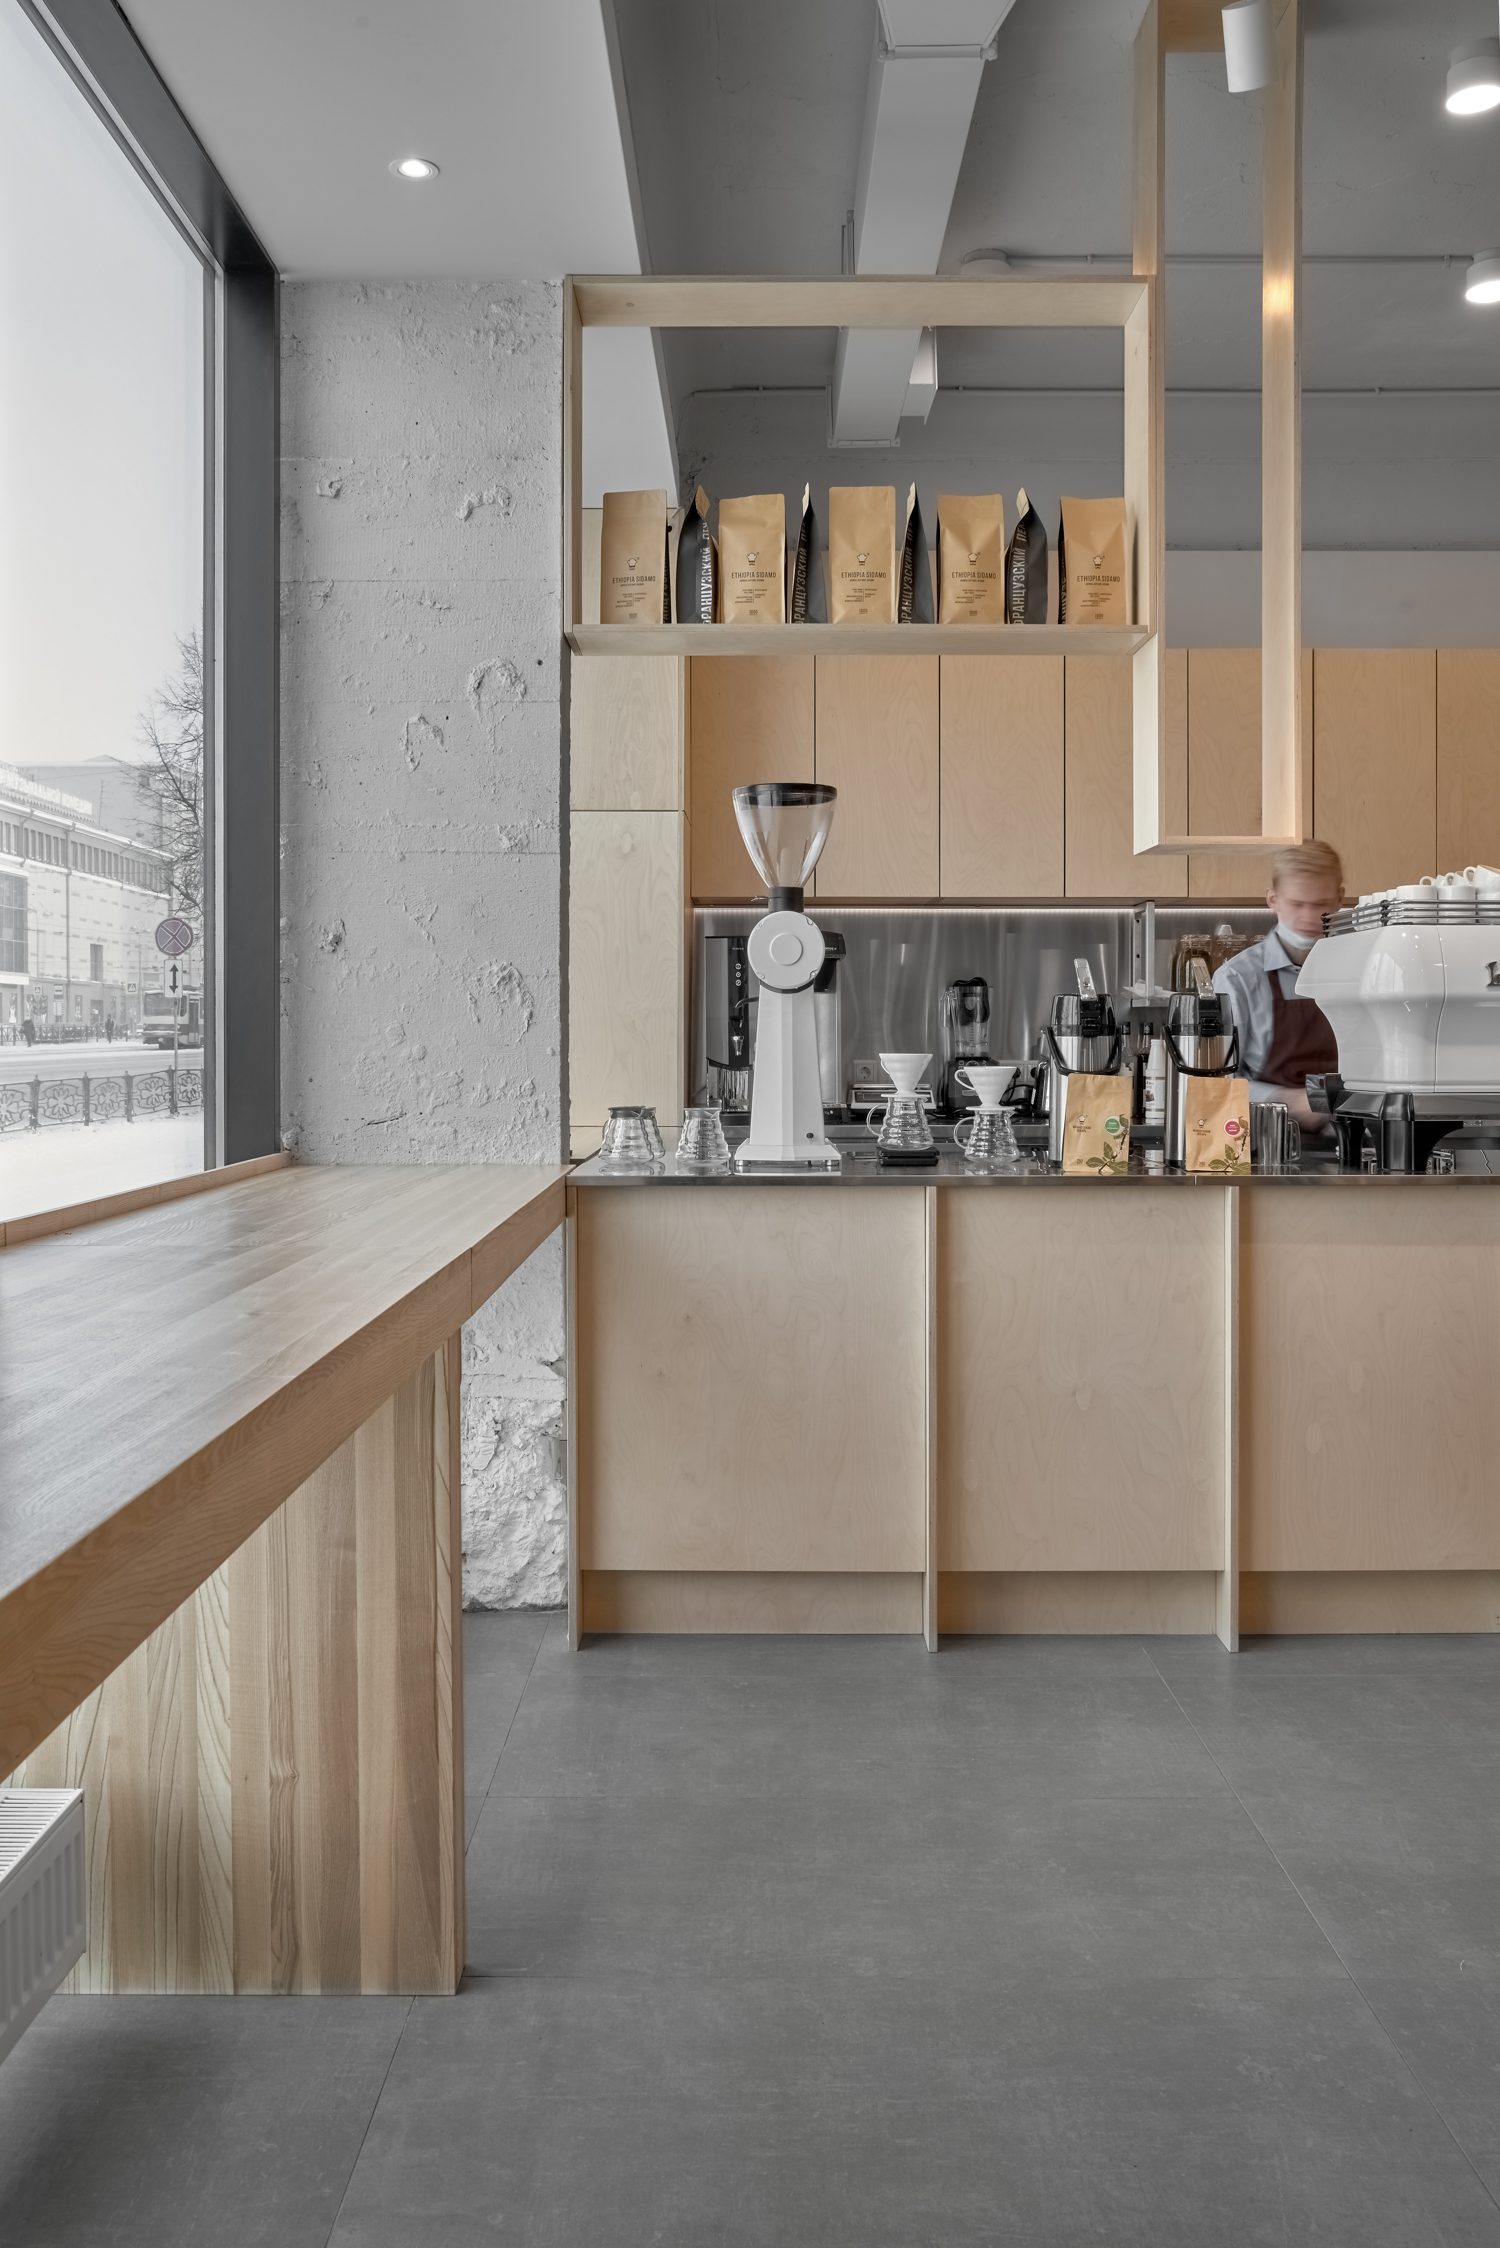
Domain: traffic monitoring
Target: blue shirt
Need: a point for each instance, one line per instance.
(1246, 982)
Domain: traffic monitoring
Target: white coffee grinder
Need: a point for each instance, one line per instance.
(784, 825)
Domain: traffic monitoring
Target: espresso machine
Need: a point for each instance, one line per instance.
(727, 1041)
(784, 826)
(1411, 987)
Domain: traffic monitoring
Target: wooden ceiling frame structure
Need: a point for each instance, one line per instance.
(1193, 26)
(1127, 302)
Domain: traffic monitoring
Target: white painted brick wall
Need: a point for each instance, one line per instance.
(422, 804)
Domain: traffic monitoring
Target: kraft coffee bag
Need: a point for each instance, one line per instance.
(914, 580)
(752, 560)
(633, 583)
(697, 565)
(862, 553)
(1092, 582)
(971, 558)
(1216, 1116)
(807, 601)
(1026, 566)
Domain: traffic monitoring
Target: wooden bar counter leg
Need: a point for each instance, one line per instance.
(274, 1781)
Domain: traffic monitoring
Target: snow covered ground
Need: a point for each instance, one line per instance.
(49, 1169)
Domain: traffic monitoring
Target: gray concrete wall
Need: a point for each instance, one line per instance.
(422, 873)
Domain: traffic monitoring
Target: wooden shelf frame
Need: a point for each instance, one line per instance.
(1191, 26)
(1128, 302)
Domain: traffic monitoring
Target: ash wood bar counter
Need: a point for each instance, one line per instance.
(230, 1566)
(1034, 1404)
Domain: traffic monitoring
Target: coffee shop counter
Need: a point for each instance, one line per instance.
(1142, 1405)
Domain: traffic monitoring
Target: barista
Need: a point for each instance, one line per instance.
(1285, 1040)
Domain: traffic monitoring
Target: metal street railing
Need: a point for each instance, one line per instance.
(39, 1102)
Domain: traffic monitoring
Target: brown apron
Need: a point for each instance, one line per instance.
(1302, 1040)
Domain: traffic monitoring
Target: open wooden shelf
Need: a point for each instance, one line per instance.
(855, 640)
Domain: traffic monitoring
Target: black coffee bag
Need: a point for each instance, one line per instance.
(1026, 567)
(914, 579)
(808, 603)
(696, 565)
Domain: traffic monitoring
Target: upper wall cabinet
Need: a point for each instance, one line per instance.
(1099, 824)
(1221, 715)
(1375, 774)
(876, 734)
(1000, 735)
(1468, 758)
(751, 721)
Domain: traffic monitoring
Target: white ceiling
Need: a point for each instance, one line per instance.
(304, 103)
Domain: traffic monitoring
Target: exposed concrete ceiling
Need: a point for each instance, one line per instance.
(768, 100)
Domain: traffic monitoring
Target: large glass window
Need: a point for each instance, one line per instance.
(104, 354)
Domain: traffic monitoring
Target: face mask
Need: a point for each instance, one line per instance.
(1293, 939)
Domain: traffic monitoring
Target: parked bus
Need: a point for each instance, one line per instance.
(157, 1022)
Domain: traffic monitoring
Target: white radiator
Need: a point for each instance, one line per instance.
(43, 1900)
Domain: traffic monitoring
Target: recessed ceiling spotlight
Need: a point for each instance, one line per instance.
(1473, 78)
(414, 168)
(1483, 283)
(1249, 48)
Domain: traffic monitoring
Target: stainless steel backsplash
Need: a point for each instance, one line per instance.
(901, 959)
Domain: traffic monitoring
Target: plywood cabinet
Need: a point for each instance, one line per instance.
(1000, 733)
(626, 968)
(625, 734)
(1375, 775)
(1099, 853)
(876, 742)
(751, 720)
(1468, 758)
(1222, 733)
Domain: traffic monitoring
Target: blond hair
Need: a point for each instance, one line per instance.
(1311, 860)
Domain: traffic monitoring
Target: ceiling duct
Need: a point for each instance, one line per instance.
(924, 81)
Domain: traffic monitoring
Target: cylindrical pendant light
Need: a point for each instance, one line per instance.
(1482, 285)
(1249, 47)
(1474, 77)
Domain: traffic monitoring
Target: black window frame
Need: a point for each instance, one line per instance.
(99, 50)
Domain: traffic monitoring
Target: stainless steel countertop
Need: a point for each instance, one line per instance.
(861, 1167)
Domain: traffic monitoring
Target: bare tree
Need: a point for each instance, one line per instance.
(170, 782)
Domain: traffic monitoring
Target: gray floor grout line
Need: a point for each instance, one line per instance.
(369, 2121)
(1353, 1979)
(515, 1713)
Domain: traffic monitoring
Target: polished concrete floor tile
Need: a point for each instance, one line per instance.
(1404, 1654)
(1447, 2029)
(589, 1726)
(171, 2122)
(499, 1652)
(649, 1885)
(834, 1942)
(864, 2111)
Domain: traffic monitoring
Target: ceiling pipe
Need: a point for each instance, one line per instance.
(924, 80)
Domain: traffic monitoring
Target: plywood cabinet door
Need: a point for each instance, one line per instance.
(1223, 766)
(877, 743)
(1099, 824)
(625, 729)
(1375, 761)
(1000, 733)
(626, 982)
(1468, 757)
(752, 720)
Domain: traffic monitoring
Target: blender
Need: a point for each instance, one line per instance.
(965, 1018)
(784, 826)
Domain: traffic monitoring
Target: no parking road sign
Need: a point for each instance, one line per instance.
(173, 936)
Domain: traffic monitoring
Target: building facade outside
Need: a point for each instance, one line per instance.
(79, 908)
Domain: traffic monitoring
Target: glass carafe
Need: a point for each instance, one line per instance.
(903, 1128)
